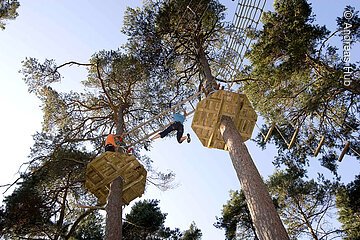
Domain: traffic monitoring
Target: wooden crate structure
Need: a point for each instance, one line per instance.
(110, 165)
(206, 121)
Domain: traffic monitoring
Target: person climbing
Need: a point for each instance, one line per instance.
(176, 125)
(115, 142)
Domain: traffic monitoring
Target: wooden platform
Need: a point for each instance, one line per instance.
(206, 121)
(107, 167)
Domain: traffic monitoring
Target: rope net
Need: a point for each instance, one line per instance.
(246, 18)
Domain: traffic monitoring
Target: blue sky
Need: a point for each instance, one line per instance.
(73, 30)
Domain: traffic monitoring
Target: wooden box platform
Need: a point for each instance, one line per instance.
(107, 167)
(206, 121)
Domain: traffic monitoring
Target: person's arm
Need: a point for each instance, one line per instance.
(118, 138)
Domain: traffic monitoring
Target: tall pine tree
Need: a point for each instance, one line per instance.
(298, 82)
(192, 35)
(117, 95)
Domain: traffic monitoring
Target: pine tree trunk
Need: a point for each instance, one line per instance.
(209, 83)
(113, 229)
(266, 220)
(113, 225)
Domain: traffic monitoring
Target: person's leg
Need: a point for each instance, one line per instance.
(187, 138)
(109, 148)
(156, 136)
(183, 138)
(180, 132)
(165, 132)
(159, 135)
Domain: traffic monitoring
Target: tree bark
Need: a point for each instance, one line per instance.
(267, 223)
(266, 220)
(209, 83)
(60, 222)
(113, 229)
(113, 225)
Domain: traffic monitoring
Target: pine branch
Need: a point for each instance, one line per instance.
(236, 81)
(77, 222)
(112, 105)
(323, 43)
(73, 63)
(9, 185)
